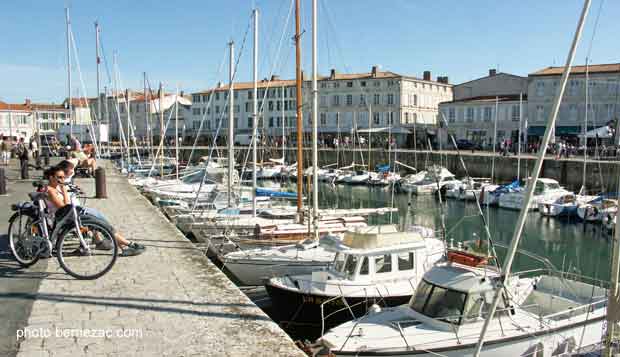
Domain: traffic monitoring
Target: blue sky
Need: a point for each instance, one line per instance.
(184, 43)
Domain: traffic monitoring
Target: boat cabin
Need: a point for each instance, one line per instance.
(380, 253)
(544, 185)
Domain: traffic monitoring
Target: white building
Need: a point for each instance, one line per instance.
(603, 93)
(16, 120)
(347, 102)
(144, 114)
(477, 103)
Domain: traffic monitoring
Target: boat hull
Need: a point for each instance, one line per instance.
(305, 308)
(253, 272)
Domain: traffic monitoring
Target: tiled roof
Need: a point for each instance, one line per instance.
(291, 82)
(488, 99)
(593, 68)
(9, 106)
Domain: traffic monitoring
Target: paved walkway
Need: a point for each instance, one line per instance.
(16, 284)
(169, 301)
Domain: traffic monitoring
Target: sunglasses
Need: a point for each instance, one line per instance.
(59, 177)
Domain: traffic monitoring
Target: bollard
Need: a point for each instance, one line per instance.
(100, 184)
(2, 182)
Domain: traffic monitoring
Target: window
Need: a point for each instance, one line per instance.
(440, 303)
(196, 111)
(390, 99)
(363, 83)
(250, 123)
(362, 99)
(383, 264)
(271, 122)
(208, 124)
(323, 85)
(286, 105)
(540, 113)
(405, 261)
(350, 84)
(336, 85)
(390, 118)
(204, 110)
(323, 101)
(236, 95)
(339, 261)
(278, 105)
(376, 99)
(451, 115)
(390, 83)
(336, 100)
(196, 98)
(270, 105)
(217, 95)
(236, 108)
(612, 87)
(572, 111)
(350, 265)
(278, 122)
(247, 107)
(406, 117)
(376, 84)
(364, 266)
(249, 94)
(488, 114)
(209, 110)
(323, 119)
(573, 87)
(540, 88)
(470, 115)
(349, 100)
(375, 118)
(217, 109)
(205, 98)
(415, 100)
(515, 112)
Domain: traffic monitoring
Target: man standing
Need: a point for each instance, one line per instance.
(22, 154)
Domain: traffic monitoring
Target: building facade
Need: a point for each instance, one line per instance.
(603, 98)
(347, 102)
(497, 101)
(143, 114)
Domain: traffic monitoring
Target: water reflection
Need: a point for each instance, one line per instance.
(574, 246)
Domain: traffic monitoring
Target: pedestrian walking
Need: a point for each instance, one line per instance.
(5, 148)
(22, 153)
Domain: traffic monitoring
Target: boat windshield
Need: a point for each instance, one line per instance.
(552, 186)
(193, 178)
(339, 260)
(439, 303)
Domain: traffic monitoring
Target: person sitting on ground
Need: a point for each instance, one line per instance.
(58, 197)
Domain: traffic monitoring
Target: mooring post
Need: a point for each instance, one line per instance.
(100, 183)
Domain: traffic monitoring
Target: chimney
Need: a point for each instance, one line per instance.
(445, 80)
(219, 84)
(332, 74)
(427, 75)
(492, 72)
(27, 102)
(374, 71)
(275, 77)
(181, 94)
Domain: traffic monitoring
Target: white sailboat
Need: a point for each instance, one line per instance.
(545, 189)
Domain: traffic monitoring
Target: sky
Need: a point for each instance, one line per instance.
(184, 44)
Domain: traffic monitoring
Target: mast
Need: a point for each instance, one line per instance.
(147, 117)
(315, 109)
(516, 237)
(300, 138)
(99, 119)
(582, 191)
(231, 127)
(519, 140)
(369, 133)
(176, 129)
(283, 124)
(69, 106)
(254, 110)
(161, 130)
(614, 298)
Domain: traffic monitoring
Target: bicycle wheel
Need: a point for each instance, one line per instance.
(23, 241)
(92, 259)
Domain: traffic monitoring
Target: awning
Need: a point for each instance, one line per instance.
(567, 130)
(601, 133)
(536, 130)
(393, 130)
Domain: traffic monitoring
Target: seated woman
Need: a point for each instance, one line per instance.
(58, 197)
(85, 161)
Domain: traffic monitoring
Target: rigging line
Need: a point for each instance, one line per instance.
(208, 107)
(131, 134)
(105, 61)
(84, 100)
(266, 54)
(598, 15)
(268, 86)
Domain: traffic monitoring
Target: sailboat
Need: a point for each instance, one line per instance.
(468, 306)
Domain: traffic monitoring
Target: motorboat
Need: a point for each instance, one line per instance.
(597, 209)
(328, 175)
(358, 177)
(490, 194)
(376, 264)
(252, 267)
(545, 189)
(271, 169)
(385, 178)
(565, 205)
(540, 313)
(407, 183)
(437, 178)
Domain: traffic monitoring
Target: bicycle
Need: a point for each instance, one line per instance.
(83, 244)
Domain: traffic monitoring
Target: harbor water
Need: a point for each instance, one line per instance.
(570, 245)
